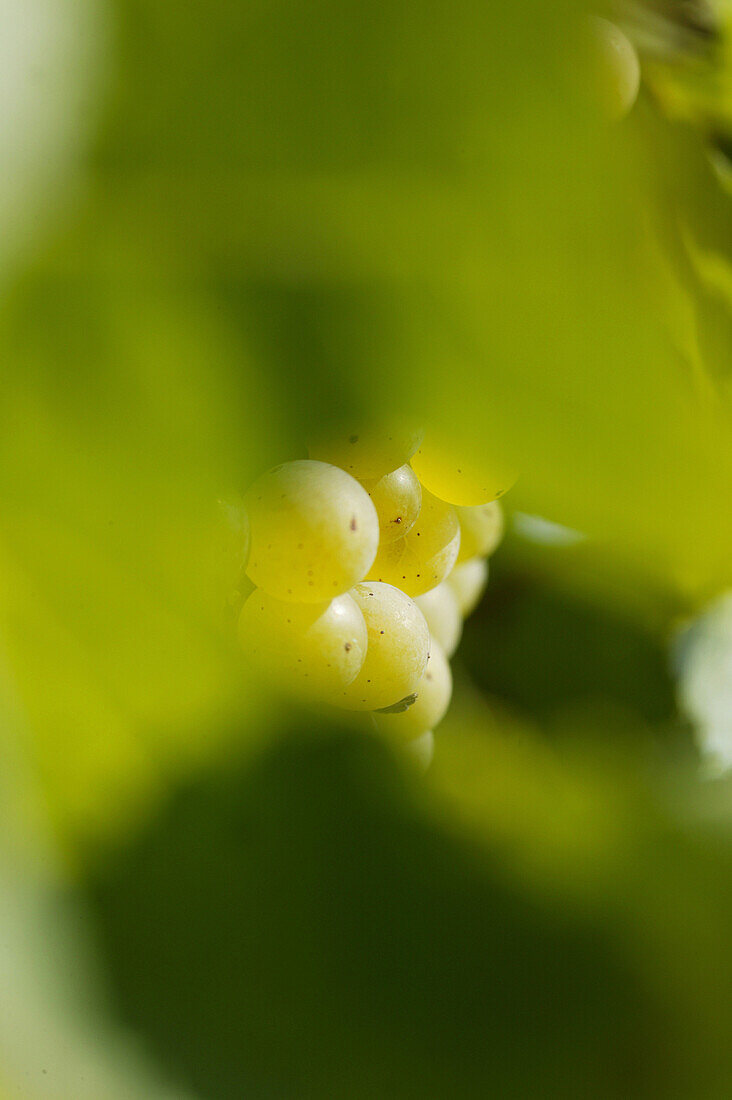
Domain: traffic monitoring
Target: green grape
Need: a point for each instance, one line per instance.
(468, 581)
(433, 698)
(314, 531)
(459, 480)
(481, 530)
(442, 612)
(367, 452)
(617, 67)
(397, 498)
(421, 750)
(398, 647)
(424, 557)
(310, 649)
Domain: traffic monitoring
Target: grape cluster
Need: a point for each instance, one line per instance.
(363, 561)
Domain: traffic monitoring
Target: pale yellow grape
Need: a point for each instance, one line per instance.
(424, 557)
(315, 649)
(442, 612)
(397, 497)
(617, 67)
(368, 452)
(433, 698)
(421, 750)
(468, 581)
(481, 530)
(314, 531)
(458, 480)
(398, 647)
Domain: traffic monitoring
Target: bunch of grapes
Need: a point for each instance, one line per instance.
(365, 558)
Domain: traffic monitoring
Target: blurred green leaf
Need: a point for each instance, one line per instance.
(318, 925)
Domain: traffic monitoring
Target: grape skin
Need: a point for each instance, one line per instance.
(398, 648)
(468, 581)
(481, 530)
(367, 454)
(314, 531)
(315, 650)
(459, 481)
(442, 612)
(433, 698)
(424, 557)
(397, 497)
(618, 67)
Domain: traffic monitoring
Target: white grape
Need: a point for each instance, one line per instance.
(433, 698)
(618, 68)
(368, 452)
(481, 530)
(398, 647)
(424, 557)
(468, 581)
(397, 497)
(312, 649)
(314, 531)
(442, 612)
(460, 480)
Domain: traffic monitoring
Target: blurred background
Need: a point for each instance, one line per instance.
(222, 222)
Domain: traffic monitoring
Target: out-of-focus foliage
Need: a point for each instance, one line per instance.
(273, 216)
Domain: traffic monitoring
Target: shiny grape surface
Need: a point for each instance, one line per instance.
(468, 581)
(424, 557)
(398, 647)
(434, 691)
(316, 649)
(442, 612)
(314, 531)
(366, 453)
(481, 530)
(397, 498)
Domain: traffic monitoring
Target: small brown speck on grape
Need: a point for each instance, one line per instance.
(381, 632)
(353, 523)
(347, 647)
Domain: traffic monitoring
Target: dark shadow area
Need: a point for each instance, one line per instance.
(303, 929)
(546, 650)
